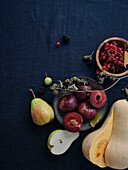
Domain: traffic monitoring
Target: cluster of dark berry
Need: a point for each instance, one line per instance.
(112, 58)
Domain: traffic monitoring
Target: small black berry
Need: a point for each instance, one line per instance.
(65, 39)
(41, 91)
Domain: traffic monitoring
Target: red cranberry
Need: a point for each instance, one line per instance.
(97, 72)
(103, 58)
(119, 62)
(112, 55)
(116, 58)
(114, 43)
(102, 53)
(119, 49)
(122, 65)
(111, 45)
(104, 67)
(58, 44)
(114, 48)
(109, 50)
(108, 66)
(112, 68)
(121, 59)
(109, 59)
(112, 59)
(117, 70)
(115, 62)
(105, 48)
(107, 45)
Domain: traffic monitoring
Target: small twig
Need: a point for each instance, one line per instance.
(93, 90)
(91, 53)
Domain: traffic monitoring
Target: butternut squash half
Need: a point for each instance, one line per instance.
(108, 146)
(94, 145)
(116, 154)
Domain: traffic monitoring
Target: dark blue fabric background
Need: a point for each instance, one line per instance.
(29, 30)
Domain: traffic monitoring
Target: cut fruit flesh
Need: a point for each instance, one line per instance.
(60, 140)
(95, 143)
(94, 121)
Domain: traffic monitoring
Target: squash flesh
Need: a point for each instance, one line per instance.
(100, 144)
(114, 145)
(95, 143)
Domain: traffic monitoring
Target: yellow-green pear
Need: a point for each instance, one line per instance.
(59, 141)
(41, 112)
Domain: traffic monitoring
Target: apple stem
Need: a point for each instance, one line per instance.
(32, 93)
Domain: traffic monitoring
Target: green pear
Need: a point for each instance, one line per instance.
(60, 140)
(41, 112)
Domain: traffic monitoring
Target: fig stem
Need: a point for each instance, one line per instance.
(32, 93)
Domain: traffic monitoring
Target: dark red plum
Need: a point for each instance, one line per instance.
(68, 103)
(73, 121)
(86, 110)
(98, 99)
(83, 96)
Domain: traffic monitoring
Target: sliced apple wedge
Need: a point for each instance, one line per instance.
(60, 140)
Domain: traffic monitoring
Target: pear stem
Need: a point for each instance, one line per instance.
(32, 93)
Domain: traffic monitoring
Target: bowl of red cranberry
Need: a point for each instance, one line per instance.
(110, 56)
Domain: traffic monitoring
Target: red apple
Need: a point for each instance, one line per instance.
(98, 99)
(68, 103)
(86, 110)
(83, 96)
(73, 121)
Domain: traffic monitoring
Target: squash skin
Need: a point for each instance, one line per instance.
(91, 142)
(116, 154)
